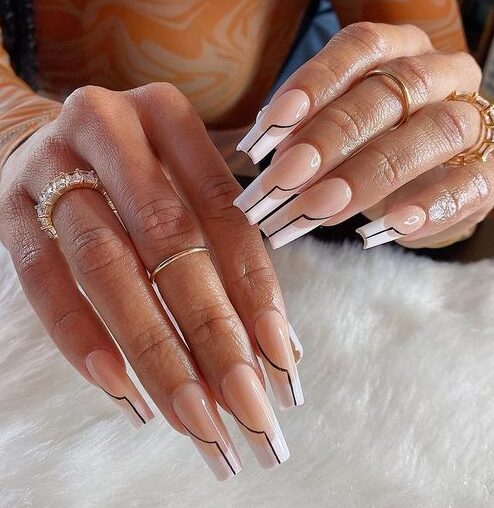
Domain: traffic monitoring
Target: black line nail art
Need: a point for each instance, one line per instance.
(303, 216)
(128, 401)
(272, 126)
(258, 432)
(280, 369)
(276, 187)
(211, 442)
(385, 231)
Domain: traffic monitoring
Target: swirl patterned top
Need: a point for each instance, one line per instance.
(223, 55)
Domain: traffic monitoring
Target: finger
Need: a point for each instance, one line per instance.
(349, 123)
(452, 206)
(66, 314)
(161, 226)
(433, 135)
(346, 58)
(248, 275)
(104, 262)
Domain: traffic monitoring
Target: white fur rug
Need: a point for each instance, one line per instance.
(399, 385)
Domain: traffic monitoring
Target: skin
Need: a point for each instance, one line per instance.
(216, 305)
(390, 169)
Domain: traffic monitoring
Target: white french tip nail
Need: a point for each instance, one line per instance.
(309, 210)
(298, 350)
(281, 117)
(392, 226)
(284, 178)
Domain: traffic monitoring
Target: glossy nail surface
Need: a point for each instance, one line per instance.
(393, 226)
(279, 182)
(249, 404)
(297, 348)
(273, 341)
(206, 429)
(274, 123)
(111, 377)
(311, 209)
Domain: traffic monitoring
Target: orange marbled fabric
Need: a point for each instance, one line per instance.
(223, 55)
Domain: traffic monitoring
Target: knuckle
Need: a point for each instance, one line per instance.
(369, 36)
(334, 70)
(97, 252)
(472, 65)
(258, 278)
(150, 345)
(418, 33)
(10, 203)
(170, 96)
(391, 168)
(163, 224)
(65, 323)
(480, 183)
(218, 196)
(211, 323)
(349, 121)
(421, 76)
(30, 261)
(96, 105)
(452, 123)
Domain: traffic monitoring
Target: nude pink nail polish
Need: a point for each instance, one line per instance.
(281, 180)
(249, 404)
(392, 226)
(274, 123)
(273, 341)
(112, 378)
(206, 429)
(307, 211)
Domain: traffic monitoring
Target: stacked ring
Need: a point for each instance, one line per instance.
(64, 183)
(485, 144)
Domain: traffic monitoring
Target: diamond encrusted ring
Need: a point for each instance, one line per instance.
(485, 144)
(64, 183)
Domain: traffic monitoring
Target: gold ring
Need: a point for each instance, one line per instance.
(176, 257)
(64, 183)
(485, 144)
(407, 100)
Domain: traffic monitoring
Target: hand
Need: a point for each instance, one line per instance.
(172, 191)
(336, 150)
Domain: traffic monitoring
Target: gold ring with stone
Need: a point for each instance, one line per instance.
(62, 184)
(485, 144)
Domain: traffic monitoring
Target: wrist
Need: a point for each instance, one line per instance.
(21, 121)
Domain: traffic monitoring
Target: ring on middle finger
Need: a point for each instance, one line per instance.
(405, 93)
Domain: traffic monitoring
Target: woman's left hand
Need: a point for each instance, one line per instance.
(336, 148)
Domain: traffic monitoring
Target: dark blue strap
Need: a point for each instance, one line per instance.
(17, 22)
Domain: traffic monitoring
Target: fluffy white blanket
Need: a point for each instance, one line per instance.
(399, 383)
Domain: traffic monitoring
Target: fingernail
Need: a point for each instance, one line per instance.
(249, 404)
(274, 123)
(279, 182)
(311, 209)
(206, 429)
(273, 340)
(393, 226)
(111, 377)
(297, 349)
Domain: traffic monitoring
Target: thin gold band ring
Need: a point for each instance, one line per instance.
(169, 260)
(406, 97)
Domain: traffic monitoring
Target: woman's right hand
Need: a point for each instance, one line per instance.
(172, 191)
